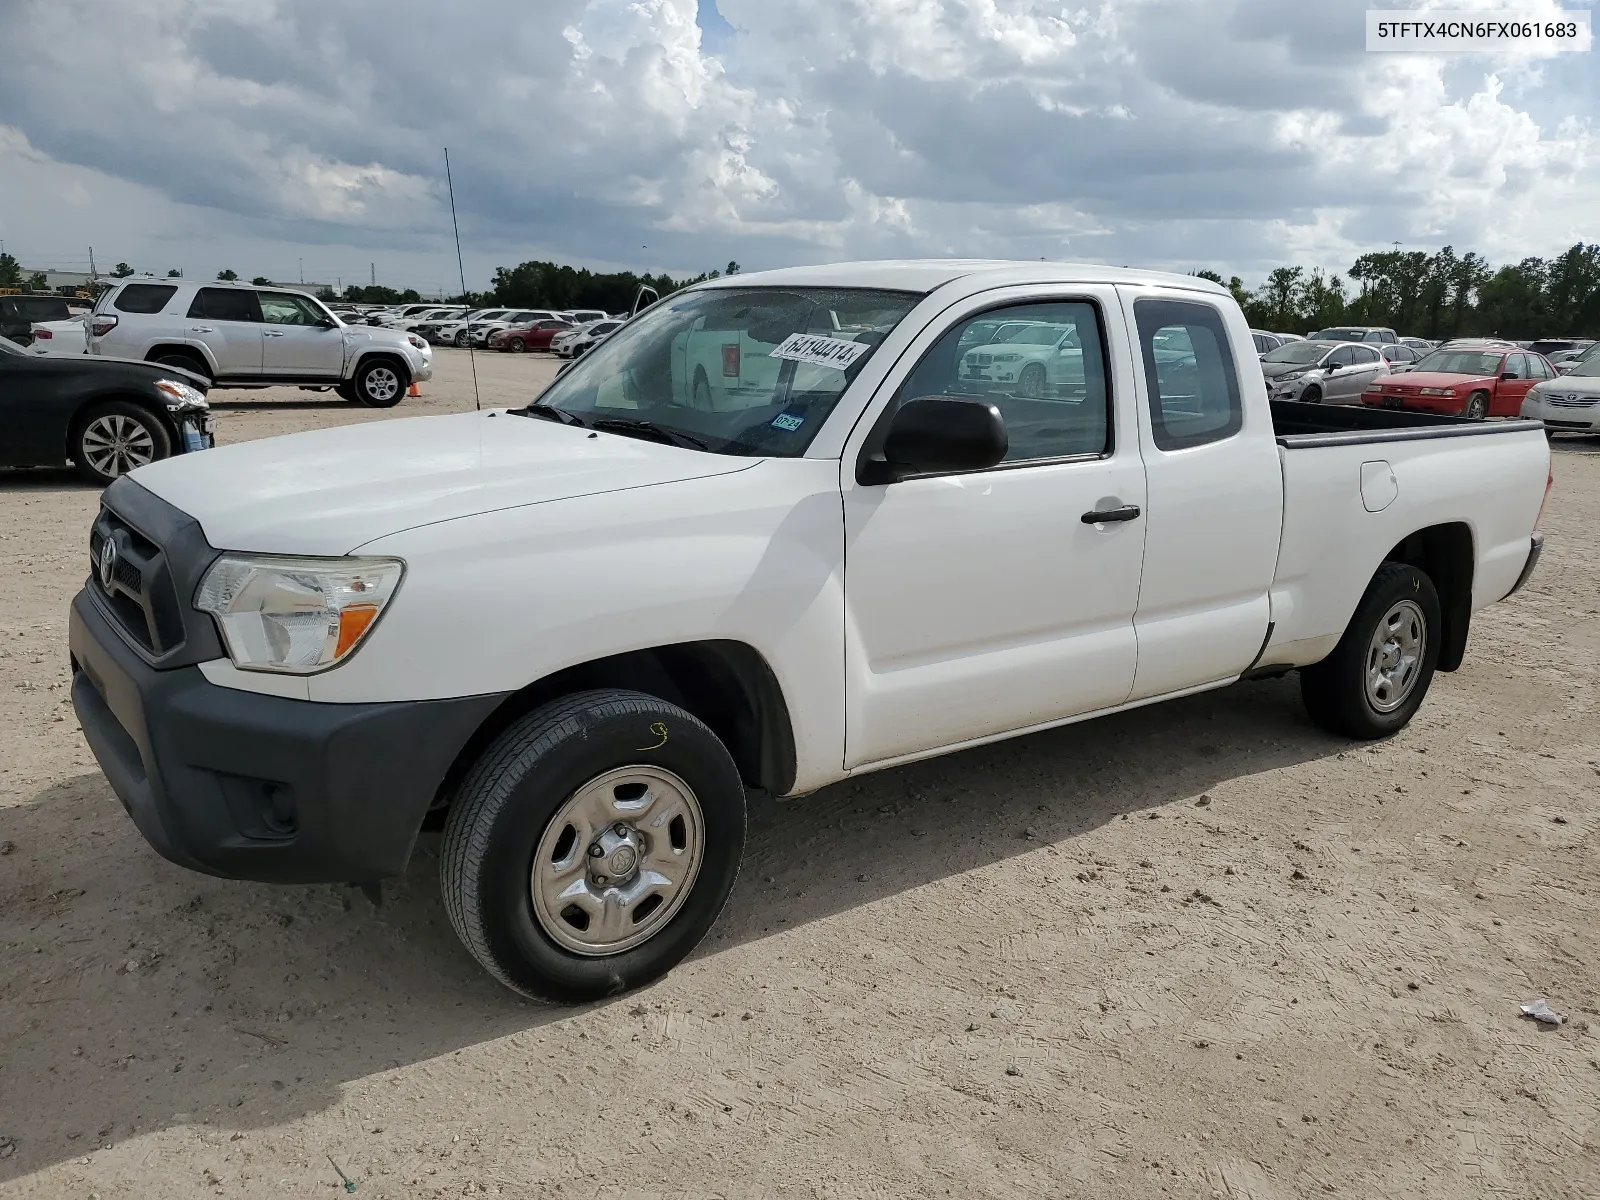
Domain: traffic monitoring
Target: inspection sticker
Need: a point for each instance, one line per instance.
(788, 422)
(822, 351)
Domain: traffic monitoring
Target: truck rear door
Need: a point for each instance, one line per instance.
(985, 602)
(1215, 491)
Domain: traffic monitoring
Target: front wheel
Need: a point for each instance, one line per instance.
(1375, 679)
(1031, 385)
(1477, 406)
(378, 384)
(116, 437)
(516, 345)
(592, 845)
(1312, 395)
(461, 339)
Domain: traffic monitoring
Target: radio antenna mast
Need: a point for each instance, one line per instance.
(477, 403)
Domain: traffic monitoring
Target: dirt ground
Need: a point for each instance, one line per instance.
(1198, 950)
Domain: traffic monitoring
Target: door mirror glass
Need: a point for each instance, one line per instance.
(937, 435)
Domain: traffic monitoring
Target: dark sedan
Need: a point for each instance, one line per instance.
(106, 415)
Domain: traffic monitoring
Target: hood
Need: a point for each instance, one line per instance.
(331, 490)
(1275, 370)
(1435, 379)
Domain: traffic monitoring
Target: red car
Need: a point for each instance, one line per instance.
(1473, 382)
(527, 337)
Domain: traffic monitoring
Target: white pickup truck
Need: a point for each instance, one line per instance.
(579, 632)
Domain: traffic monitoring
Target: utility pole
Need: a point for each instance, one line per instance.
(372, 270)
(93, 274)
(302, 263)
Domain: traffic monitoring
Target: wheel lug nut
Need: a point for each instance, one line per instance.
(600, 879)
(621, 829)
(596, 852)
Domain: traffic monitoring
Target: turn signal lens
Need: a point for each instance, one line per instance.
(353, 623)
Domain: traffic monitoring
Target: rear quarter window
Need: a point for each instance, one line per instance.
(143, 297)
(1190, 375)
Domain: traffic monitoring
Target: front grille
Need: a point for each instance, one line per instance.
(136, 585)
(1571, 401)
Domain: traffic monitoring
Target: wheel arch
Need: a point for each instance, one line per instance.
(1446, 554)
(194, 354)
(388, 354)
(87, 404)
(727, 684)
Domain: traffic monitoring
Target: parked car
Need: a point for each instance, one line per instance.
(1550, 347)
(516, 317)
(19, 314)
(585, 338)
(1569, 403)
(1416, 343)
(1572, 364)
(1289, 337)
(864, 567)
(411, 312)
(1265, 341)
(458, 329)
(239, 335)
(559, 343)
(1472, 383)
(527, 337)
(1355, 333)
(1398, 355)
(1318, 372)
(432, 317)
(582, 316)
(106, 418)
(61, 337)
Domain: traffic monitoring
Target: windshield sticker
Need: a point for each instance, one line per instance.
(822, 351)
(788, 422)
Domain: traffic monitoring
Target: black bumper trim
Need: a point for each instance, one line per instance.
(248, 786)
(1535, 548)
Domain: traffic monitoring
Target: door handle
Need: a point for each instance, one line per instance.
(201, 329)
(273, 333)
(1128, 512)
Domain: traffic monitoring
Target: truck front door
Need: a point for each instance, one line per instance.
(985, 602)
(297, 339)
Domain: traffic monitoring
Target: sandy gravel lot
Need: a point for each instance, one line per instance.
(1198, 950)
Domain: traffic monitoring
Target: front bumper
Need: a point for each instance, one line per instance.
(249, 786)
(1449, 406)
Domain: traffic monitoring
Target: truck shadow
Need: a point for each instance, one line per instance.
(139, 996)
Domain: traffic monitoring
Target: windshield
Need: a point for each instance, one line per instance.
(1299, 353)
(1461, 362)
(1344, 334)
(1586, 366)
(746, 371)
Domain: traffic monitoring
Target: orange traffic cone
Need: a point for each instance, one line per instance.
(414, 390)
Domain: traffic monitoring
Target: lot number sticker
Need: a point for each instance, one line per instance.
(821, 351)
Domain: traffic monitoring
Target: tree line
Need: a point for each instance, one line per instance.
(1441, 295)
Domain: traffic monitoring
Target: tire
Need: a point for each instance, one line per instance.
(115, 437)
(379, 383)
(515, 345)
(1477, 406)
(1030, 384)
(1312, 395)
(184, 362)
(513, 820)
(1337, 691)
(348, 391)
(461, 339)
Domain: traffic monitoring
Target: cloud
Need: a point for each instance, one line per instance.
(677, 134)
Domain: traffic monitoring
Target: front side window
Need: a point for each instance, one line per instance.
(281, 308)
(1041, 365)
(1517, 365)
(143, 297)
(1189, 373)
(225, 304)
(743, 371)
(1344, 356)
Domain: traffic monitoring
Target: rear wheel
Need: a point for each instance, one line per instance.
(1375, 679)
(378, 383)
(1477, 406)
(592, 845)
(116, 437)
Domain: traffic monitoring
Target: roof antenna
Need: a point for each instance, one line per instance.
(477, 403)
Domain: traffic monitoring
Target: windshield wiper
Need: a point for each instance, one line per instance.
(628, 426)
(547, 412)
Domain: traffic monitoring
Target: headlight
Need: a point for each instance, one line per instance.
(180, 395)
(295, 615)
(416, 341)
(1436, 391)
(1290, 376)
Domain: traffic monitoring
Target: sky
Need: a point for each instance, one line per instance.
(305, 139)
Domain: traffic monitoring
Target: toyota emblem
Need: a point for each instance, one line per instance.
(108, 563)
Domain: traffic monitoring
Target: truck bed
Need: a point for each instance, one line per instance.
(1299, 425)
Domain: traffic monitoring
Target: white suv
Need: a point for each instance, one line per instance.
(238, 335)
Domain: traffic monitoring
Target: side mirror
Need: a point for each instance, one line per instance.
(1510, 375)
(1330, 367)
(938, 435)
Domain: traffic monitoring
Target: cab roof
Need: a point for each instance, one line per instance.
(926, 275)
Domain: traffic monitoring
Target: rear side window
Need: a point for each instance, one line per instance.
(1366, 356)
(143, 297)
(225, 304)
(1189, 373)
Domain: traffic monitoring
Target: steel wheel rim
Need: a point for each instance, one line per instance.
(381, 383)
(1394, 656)
(590, 896)
(115, 444)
